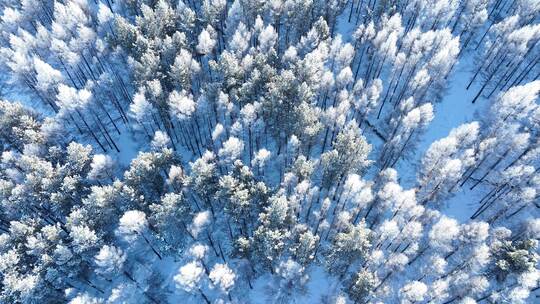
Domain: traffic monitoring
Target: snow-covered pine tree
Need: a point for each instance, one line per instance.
(204, 151)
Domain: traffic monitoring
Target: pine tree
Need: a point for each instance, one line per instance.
(291, 280)
(223, 277)
(446, 161)
(348, 156)
(189, 277)
(405, 129)
(348, 247)
(110, 260)
(132, 228)
(361, 285)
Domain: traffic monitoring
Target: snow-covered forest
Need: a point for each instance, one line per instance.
(280, 151)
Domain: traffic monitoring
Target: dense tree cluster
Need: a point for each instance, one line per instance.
(272, 136)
